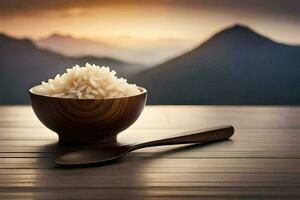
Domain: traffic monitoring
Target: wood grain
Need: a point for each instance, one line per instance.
(261, 161)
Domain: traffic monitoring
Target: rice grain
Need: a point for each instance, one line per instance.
(88, 82)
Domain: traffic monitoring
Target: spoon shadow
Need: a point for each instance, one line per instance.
(156, 155)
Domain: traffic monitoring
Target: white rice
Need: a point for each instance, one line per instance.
(89, 82)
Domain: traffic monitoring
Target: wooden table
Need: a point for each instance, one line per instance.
(261, 161)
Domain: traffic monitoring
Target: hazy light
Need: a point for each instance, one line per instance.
(117, 22)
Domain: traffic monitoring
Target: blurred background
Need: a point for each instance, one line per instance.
(184, 52)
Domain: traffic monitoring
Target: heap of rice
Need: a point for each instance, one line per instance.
(87, 82)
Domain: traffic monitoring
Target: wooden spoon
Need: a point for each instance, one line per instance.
(100, 155)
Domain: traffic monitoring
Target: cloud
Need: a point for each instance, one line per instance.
(288, 8)
(21, 7)
(283, 8)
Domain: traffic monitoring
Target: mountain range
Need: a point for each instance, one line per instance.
(148, 52)
(70, 46)
(23, 65)
(234, 66)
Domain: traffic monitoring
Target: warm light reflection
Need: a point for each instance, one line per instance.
(123, 23)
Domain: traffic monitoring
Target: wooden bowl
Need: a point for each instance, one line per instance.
(88, 121)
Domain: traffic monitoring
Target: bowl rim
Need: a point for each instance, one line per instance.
(142, 89)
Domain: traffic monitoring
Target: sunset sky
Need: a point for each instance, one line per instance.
(123, 22)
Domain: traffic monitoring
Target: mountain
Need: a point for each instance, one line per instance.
(70, 46)
(235, 66)
(148, 52)
(23, 65)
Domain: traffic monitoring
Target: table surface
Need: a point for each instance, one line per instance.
(262, 160)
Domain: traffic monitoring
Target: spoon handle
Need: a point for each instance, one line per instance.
(197, 136)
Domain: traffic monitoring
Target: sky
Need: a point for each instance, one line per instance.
(134, 22)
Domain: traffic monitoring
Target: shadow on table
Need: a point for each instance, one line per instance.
(136, 176)
(58, 149)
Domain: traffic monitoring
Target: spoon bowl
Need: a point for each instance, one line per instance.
(92, 155)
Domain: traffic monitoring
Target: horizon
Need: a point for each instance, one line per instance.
(147, 33)
(125, 21)
(66, 35)
(66, 38)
